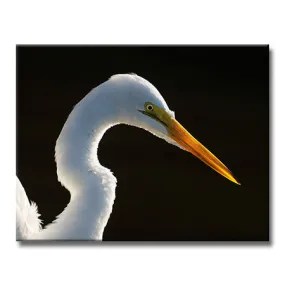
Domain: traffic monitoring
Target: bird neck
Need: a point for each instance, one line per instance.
(91, 186)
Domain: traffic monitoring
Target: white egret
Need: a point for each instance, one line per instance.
(123, 99)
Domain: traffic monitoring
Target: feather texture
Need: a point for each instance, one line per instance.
(91, 186)
(27, 216)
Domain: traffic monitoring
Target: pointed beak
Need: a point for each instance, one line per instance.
(179, 134)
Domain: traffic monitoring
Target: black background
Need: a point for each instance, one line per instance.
(219, 94)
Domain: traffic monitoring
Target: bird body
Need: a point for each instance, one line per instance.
(123, 99)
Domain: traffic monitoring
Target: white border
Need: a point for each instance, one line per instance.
(146, 22)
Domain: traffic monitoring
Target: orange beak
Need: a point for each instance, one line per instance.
(179, 134)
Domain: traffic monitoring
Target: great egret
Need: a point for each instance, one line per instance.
(123, 99)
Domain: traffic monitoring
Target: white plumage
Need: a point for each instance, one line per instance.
(92, 186)
(123, 99)
(27, 216)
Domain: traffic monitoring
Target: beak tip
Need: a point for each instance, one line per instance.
(236, 181)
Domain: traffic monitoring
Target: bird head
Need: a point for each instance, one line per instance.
(144, 107)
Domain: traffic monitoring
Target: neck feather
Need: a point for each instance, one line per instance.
(91, 186)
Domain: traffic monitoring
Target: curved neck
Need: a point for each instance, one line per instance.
(91, 186)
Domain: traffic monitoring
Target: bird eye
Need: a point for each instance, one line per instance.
(149, 107)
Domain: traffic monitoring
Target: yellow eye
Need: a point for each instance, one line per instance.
(149, 107)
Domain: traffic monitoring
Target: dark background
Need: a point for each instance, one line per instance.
(219, 94)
